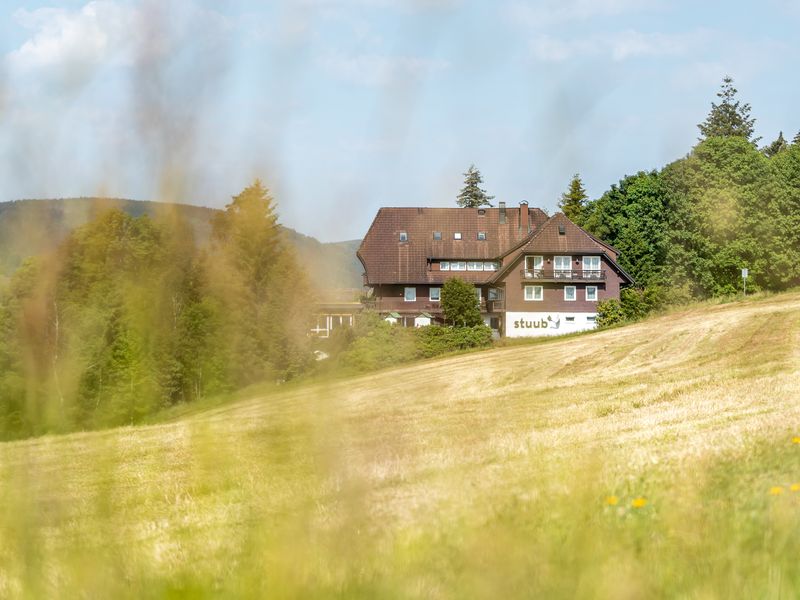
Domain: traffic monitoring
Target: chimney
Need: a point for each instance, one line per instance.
(502, 212)
(524, 218)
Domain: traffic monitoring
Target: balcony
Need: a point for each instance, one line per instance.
(562, 275)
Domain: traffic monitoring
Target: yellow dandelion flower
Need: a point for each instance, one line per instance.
(775, 490)
(795, 487)
(639, 502)
(612, 500)
(796, 439)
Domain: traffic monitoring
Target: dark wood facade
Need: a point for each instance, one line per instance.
(530, 269)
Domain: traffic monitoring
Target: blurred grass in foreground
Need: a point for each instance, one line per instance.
(510, 473)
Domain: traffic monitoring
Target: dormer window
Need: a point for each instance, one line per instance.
(457, 235)
(481, 212)
(403, 236)
(482, 235)
(437, 235)
(562, 230)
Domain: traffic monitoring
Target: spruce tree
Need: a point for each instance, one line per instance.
(574, 199)
(796, 140)
(472, 196)
(776, 146)
(730, 117)
(460, 303)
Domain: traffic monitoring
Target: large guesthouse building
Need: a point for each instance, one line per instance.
(533, 274)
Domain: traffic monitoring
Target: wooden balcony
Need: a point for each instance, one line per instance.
(562, 275)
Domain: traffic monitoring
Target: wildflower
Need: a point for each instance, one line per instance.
(639, 502)
(796, 439)
(612, 500)
(775, 490)
(795, 487)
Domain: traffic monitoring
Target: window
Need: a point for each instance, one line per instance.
(563, 266)
(444, 265)
(478, 294)
(533, 266)
(481, 235)
(458, 265)
(591, 266)
(490, 266)
(474, 266)
(569, 293)
(457, 235)
(561, 230)
(437, 235)
(434, 294)
(570, 319)
(591, 293)
(534, 293)
(494, 294)
(591, 319)
(410, 294)
(403, 236)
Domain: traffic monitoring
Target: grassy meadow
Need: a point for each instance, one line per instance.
(660, 459)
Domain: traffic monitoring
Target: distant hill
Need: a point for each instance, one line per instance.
(31, 227)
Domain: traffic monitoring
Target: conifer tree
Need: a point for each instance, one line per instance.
(574, 200)
(471, 195)
(777, 146)
(460, 303)
(796, 140)
(730, 117)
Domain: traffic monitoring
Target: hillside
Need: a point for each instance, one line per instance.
(31, 227)
(647, 461)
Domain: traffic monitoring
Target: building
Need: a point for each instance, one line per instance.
(533, 274)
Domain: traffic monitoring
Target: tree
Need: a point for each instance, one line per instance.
(777, 146)
(573, 200)
(460, 303)
(730, 117)
(796, 139)
(472, 196)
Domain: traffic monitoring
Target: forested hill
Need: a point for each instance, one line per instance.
(30, 227)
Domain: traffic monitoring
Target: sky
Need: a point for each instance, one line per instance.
(343, 106)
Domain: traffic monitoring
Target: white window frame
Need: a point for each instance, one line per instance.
(405, 294)
(561, 271)
(490, 266)
(574, 293)
(456, 235)
(478, 295)
(591, 287)
(439, 234)
(475, 265)
(591, 271)
(481, 236)
(438, 291)
(533, 264)
(403, 236)
(534, 293)
(444, 265)
(458, 265)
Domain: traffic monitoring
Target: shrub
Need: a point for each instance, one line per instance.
(609, 312)
(460, 304)
(435, 340)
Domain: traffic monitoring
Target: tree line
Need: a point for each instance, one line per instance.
(130, 315)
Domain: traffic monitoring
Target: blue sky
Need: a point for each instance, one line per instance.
(343, 106)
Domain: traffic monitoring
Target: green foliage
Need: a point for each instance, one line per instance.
(729, 118)
(382, 345)
(609, 312)
(435, 340)
(460, 303)
(128, 317)
(472, 195)
(779, 145)
(573, 201)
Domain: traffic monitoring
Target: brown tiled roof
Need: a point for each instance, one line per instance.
(388, 260)
(548, 240)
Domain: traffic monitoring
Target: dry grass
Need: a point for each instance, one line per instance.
(480, 475)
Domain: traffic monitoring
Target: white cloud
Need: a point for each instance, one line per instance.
(100, 31)
(618, 46)
(110, 32)
(552, 12)
(377, 70)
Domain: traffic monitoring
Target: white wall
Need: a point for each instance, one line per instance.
(530, 324)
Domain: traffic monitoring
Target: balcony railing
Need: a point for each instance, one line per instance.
(563, 274)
